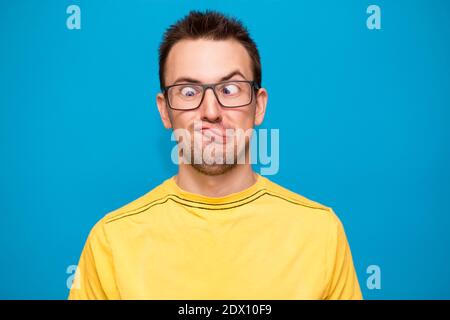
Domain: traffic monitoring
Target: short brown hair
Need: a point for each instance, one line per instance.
(209, 25)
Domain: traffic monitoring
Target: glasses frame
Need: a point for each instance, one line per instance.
(211, 86)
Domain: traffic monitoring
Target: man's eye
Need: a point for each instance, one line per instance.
(230, 89)
(188, 91)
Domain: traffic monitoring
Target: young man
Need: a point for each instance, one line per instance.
(216, 230)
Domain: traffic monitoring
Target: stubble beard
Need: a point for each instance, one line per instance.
(210, 166)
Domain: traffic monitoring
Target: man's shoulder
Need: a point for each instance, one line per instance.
(276, 190)
(154, 195)
(309, 208)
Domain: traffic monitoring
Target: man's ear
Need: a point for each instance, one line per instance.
(163, 111)
(261, 103)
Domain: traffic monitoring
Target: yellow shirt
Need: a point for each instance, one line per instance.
(264, 242)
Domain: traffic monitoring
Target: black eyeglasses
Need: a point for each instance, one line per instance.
(230, 94)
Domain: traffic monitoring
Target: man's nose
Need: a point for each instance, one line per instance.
(210, 108)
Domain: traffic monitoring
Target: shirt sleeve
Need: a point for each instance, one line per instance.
(94, 278)
(342, 279)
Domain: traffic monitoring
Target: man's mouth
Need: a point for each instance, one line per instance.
(213, 134)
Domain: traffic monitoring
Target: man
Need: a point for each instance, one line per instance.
(216, 230)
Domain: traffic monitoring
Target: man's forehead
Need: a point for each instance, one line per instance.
(207, 60)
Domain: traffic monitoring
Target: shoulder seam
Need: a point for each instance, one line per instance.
(170, 197)
(298, 202)
(290, 195)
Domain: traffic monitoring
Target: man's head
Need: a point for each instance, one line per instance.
(210, 48)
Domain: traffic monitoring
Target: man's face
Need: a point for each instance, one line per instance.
(210, 61)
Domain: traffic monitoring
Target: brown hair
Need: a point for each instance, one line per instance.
(209, 25)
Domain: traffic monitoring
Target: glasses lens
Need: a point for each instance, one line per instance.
(185, 96)
(234, 93)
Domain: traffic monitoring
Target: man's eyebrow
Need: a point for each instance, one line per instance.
(232, 74)
(192, 80)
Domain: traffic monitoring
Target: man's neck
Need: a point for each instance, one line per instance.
(237, 179)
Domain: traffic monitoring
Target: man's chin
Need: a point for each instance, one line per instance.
(213, 169)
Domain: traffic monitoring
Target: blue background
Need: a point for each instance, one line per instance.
(363, 118)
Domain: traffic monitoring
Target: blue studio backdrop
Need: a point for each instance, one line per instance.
(362, 115)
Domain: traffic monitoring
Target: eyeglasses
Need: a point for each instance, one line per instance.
(230, 94)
